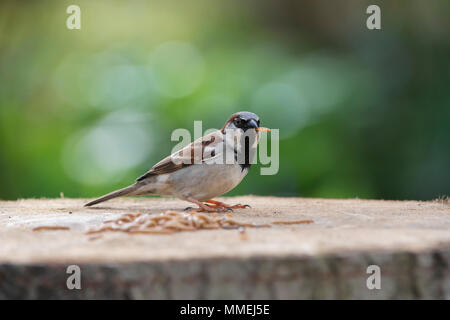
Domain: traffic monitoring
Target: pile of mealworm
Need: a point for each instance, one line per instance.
(171, 222)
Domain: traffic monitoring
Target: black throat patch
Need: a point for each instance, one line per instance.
(247, 163)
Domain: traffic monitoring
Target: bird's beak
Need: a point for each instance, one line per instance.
(252, 124)
(263, 129)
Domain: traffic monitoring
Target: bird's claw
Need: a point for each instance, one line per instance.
(240, 206)
(217, 207)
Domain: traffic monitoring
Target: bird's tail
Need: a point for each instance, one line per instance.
(130, 190)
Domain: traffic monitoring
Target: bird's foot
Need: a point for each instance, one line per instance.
(226, 206)
(219, 208)
(206, 207)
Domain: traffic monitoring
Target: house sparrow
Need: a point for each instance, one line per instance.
(202, 170)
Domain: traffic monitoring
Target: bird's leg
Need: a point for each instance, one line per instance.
(227, 206)
(204, 207)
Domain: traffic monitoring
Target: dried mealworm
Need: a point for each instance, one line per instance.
(293, 222)
(160, 231)
(50, 228)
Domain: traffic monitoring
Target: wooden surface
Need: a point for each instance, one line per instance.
(409, 240)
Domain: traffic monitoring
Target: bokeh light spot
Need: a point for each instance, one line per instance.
(101, 154)
(281, 106)
(178, 68)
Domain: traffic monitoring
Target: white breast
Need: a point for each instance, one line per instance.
(205, 181)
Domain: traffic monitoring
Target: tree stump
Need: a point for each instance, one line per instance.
(327, 259)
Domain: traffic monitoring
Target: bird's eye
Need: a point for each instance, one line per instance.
(238, 122)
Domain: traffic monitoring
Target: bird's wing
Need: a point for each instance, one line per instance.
(201, 150)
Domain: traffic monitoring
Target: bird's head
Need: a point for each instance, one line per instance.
(243, 120)
(242, 134)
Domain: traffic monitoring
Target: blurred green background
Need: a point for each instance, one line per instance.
(361, 113)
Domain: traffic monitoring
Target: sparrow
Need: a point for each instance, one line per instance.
(206, 168)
